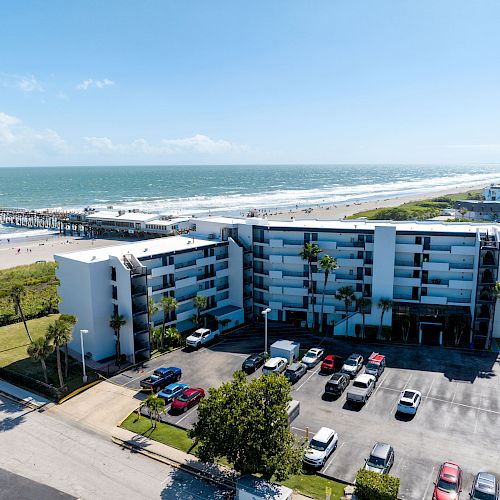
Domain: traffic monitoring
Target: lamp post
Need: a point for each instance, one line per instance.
(265, 312)
(82, 332)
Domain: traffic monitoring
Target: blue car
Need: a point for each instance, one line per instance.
(172, 391)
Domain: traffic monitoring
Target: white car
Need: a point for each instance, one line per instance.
(274, 365)
(320, 447)
(409, 402)
(352, 365)
(201, 337)
(313, 356)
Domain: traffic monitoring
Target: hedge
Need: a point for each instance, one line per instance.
(373, 486)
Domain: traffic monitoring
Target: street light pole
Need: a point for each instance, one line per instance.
(82, 332)
(265, 312)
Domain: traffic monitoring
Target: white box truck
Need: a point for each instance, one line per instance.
(286, 349)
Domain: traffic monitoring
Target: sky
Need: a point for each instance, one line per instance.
(274, 81)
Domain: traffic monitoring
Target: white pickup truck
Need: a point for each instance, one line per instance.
(201, 337)
(361, 389)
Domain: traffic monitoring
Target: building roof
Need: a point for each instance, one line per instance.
(168, 222)
(122, 216)
(140, 249)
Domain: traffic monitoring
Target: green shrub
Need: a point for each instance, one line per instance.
(373, 486)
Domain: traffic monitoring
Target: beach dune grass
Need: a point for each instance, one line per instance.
(309, 484)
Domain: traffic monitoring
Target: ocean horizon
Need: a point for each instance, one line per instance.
(226, 189)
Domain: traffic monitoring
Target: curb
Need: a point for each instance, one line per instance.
(78, 391)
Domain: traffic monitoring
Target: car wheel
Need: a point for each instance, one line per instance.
(185, 409)
(178, 377)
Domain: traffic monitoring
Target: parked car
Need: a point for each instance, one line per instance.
(171, 391)
(160, 378)
(313, 356)
(337, 384)
(361, 389)
(320, 447)
(409, 401)
(381, 458)
(375, 365)
(332, 364)
(352, 365)
(485, 487)
(448, 484)
(295, 371)
(253, 362)
(187, 399)
(274, 365)
(201, 337)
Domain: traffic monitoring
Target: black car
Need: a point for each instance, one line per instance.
(253, 362)
(337, 384)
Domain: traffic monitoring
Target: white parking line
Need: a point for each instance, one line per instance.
(314, 372)
(429, 483)
(186, 415)
(393, 407)
(379, 384)
(334, 454)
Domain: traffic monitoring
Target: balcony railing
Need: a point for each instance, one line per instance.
(138, 290)
(185, 264)
(139, 309)
(205, 276)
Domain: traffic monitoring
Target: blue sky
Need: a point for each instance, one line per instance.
(176, 82)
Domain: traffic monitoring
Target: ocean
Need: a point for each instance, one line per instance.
(231, 189)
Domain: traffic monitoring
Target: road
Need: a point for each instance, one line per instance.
(80, 462)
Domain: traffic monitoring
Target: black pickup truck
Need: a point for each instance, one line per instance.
(161, 378)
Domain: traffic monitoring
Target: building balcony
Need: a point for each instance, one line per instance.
(276, 290)
(138, 290)
(292, 259)
(288, 290)
(401, 281)
(206, 261)
(435, 266)
(185, 298)
(191, 280)
(160, 271)
(463, 249)
(205, 276)
(184, 265)
(343, 263)
(461, 284)
(222, 256)
(294, 274)
(429, 299)
(355, 245)
(327, 245)
(409, 248)
(293, 243)
(261, 257)
(276, 243)
(139, 309)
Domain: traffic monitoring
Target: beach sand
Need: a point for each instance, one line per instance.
(21, 251)
(339, 211)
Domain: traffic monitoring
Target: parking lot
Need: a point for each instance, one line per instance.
(458, 419)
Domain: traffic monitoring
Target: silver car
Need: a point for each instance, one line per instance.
(313, 356)
(485, 487)
(381, 458)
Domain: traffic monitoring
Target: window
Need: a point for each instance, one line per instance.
(114, 292)
(418, 240)
(368, 271)
(115, 309)
(113, 273)
(369, 238)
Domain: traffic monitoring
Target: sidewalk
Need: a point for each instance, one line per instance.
(177, 458)
(23, 396)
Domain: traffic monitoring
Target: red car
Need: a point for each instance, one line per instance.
(448, 485)
(331, 364)
(187, 399)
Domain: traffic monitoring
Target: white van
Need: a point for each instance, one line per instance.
(274, 365)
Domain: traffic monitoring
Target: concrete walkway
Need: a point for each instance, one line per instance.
(23, 396)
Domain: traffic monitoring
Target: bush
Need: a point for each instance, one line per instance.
(373, 486)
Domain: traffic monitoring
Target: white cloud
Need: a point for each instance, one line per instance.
(17, 138)
(199, 143)
(27, 83)
(90, 83)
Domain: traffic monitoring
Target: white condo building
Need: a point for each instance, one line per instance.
(433, 273)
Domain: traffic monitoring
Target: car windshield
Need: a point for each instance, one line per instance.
(196, 335)
(168, 391)
(270, 368)
(376, 462)
(360, 384)
(317, 445)
(291, 371)
(481, 495)
(445, 485)
(372, 366)
(251, 359)
(184, 397)
(351, 362)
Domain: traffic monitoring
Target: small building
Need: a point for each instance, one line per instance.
(492, 192)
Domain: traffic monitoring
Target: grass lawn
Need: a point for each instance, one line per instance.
(14, 341)
(308, 484)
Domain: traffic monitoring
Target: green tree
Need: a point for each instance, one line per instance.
(363, 304)
(346, 295)
(153, 308)
(16, 293)
(246, 422)
(116, 322)
(155, 406)
(58, 333)
(39, 350)
(168, 305)
(327, 264)
(385, 304)
(310, 253)
(174, 337)
(156, 337)
(373, 486)
(201, 303)
(69, 321)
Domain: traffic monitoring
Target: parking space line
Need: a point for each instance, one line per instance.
(379, 384)
(428, 483)
(393, 407)
(186, 415)
(334, 454)
(314, 372)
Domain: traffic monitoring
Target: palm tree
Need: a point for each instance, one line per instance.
(16, 292)
(201, 303)
(58, 333)
(310, 254)
(116, 322)
(153, 308)
(385, 304)
(405, 326)
(155, 406)
(494, 293)
(168, 305)
(327, 265)
(70, 321)
(362, 305)
(346, 295)
(39, 350)
(174, 336)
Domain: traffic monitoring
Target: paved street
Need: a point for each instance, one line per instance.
(69, 457)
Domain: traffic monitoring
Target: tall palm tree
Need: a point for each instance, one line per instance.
(385, 304)
(16, 293)
(346, 295)
(310, 253)
(153, 308)
(39, 350)
(155, 406)
(168, 305)
(494, 294)
(362, 305)
(201, 303)
(70, 321)
(327, 264)
(58, 333)
(405, 326)
(116, 322)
